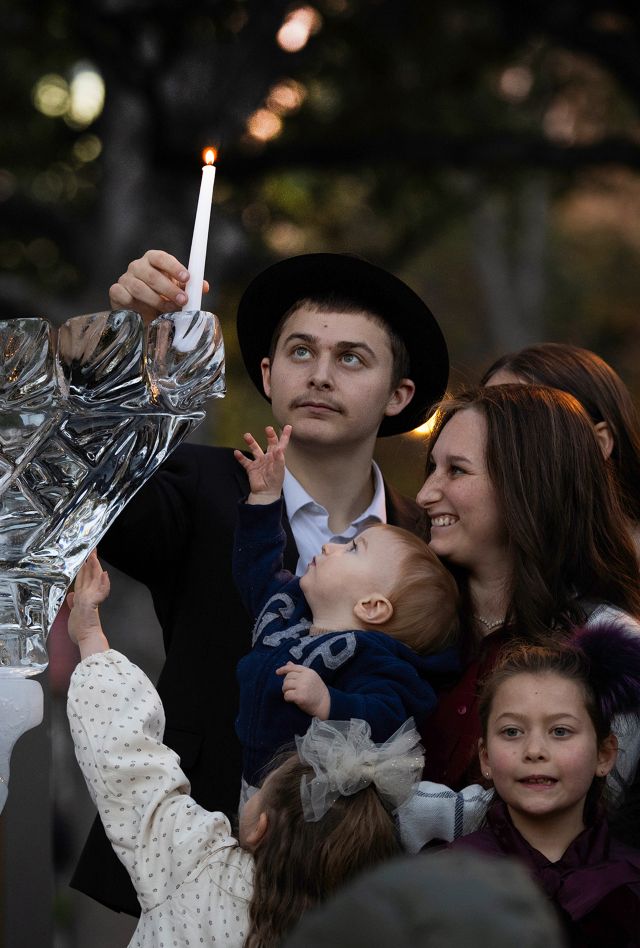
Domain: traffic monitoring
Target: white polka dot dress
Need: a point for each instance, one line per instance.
(194, 882)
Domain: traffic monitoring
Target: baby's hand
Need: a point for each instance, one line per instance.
(266, 470)
(304, 687)
(91, 589)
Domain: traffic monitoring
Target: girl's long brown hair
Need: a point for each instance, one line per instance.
(566, 529)
(298, 864)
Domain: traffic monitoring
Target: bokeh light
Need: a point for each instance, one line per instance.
(86, 95)
(87, 148)
(286, 97)
(51, 95)
(515, 83)
(264, 125)
(298, 26)
(78, 102)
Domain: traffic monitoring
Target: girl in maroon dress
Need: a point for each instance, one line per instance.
(547, 746)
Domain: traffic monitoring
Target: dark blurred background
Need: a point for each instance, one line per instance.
(487, 152)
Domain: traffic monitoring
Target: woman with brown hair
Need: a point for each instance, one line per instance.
(520, 507)
(603, 395)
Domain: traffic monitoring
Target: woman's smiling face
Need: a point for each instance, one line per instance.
(467, 527)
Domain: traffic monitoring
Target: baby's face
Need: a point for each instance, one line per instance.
(369, 563)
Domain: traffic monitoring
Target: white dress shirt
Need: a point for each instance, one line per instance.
(310, 520)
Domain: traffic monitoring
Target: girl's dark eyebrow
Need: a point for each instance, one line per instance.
(548, 717)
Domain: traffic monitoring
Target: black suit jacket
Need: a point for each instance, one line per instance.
(176, 537)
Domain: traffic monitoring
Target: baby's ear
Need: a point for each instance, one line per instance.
(375, 609)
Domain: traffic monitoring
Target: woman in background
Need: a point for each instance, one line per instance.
(603, 395)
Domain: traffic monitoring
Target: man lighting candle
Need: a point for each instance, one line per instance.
(345, 352)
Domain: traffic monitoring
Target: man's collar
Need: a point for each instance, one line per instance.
(296, 497)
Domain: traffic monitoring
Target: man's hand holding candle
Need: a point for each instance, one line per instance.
(157, 282)
(152, 285)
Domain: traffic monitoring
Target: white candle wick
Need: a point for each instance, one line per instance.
(198, 254)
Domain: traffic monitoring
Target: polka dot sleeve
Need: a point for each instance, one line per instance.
(158, 831)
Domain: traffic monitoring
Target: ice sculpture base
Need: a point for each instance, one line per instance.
(21, 704)
(27, 603)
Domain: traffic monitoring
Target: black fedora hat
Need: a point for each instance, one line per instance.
(276, 289)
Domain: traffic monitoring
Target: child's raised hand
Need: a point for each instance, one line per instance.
(266, 470)
(91, 588)
(304, 687)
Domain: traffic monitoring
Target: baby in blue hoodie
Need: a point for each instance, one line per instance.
(362, 634)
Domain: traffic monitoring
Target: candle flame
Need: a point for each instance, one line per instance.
(209, 155)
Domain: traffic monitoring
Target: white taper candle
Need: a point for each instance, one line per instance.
(198, 253)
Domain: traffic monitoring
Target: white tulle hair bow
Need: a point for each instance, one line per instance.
(345, 760)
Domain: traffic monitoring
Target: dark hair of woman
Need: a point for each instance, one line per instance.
(567, 535)
(299, 863)
(602, 393)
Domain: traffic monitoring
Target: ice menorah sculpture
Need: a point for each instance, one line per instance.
(87, 414)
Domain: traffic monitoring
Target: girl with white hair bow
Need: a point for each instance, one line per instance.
(324, 814)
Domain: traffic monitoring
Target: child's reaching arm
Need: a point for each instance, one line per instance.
(259, 539)
(116, 717)
(159, 833)
(266, 470)
(90, 590)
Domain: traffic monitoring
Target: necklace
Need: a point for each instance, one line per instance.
(489, 624)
